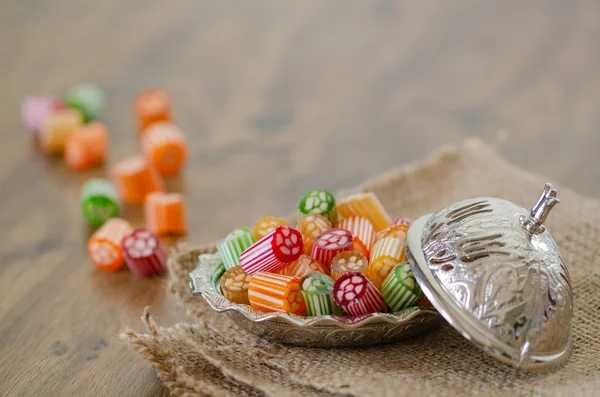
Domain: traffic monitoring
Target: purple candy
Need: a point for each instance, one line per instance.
(35, 110)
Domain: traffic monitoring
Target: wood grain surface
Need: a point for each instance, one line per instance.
(276, 98)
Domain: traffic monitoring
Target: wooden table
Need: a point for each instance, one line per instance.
(276, 98)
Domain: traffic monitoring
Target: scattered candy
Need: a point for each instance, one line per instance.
(316, 291)
(216, 268)
(234, 285)
(36, 109)
(361, 229)
(319, 202)
(366, 205)
(233, 245)
(152, 106)
(273, 252)
(390, 246)
(329, 244)
(104, 247)
(312, 226)
(266, 225)
(303, 266)
(380, 268)
(87, 146)
(396, 231)
(400, 289)
(99, 201)
(165, 149)
(165, 213)
(87, 98)
(135, 179)
(144, 254)
(354, 293)
(275, 293)
(57, 127)
(348, 261)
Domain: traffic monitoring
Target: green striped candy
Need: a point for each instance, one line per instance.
(87, 98)
(400, 289)
(316, 289)
(99, 201)
(319, 202)
(233, 245)
(216, 268)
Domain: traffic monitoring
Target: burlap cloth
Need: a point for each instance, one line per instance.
(214, 357)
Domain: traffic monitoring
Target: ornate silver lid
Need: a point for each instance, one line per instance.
(494, 272)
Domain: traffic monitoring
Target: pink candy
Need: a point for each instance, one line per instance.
(35, 110)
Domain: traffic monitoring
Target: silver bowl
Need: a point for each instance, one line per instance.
(316, 331)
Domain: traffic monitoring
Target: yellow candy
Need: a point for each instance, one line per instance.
(266, 225)
(57, 128)
(234, 284)
(311, 226)
(389, 246)
(348, 261)
(380, 268)
(366, 205)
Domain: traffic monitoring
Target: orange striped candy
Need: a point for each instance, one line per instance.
(312, 226)
(57, 127)
(397, 231)
(87, 146)
(165, 213)
(275, 293)
(366, 205)
(303, 266)
(152, 106)
(135, 179)
(360, 228)
(104, 247)
(165, 149)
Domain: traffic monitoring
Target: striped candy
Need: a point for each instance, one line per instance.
(104, 247)
(303, 266)
(312, 226)
(400, 289)
(214, 265)
(266, 225)
(87, 146)
(56, 129)
(87, 98)
(396, 231)
(275, 293)
(361, 229)
(390, 246)
(144, 254)
(233, 245)
(165, 213)
(234, 285)
(165, 149)
(99, 201)
(402, 221)
(319, 202)
(380, 268)
(36, 109)
(348, 261)
(273, 252)
(354, 293)
(136, 180)
(366, 205)
(316, 291)
(329, 244)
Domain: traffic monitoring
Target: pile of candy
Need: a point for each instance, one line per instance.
(70, 127)
(348, 257)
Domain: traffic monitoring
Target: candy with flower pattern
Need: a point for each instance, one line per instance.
(354, 293)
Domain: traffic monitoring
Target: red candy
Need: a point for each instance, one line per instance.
(273, 252)
(354, 293)
(144, 254)
(329, 244)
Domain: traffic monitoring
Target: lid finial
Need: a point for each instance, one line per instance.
(534, 223)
